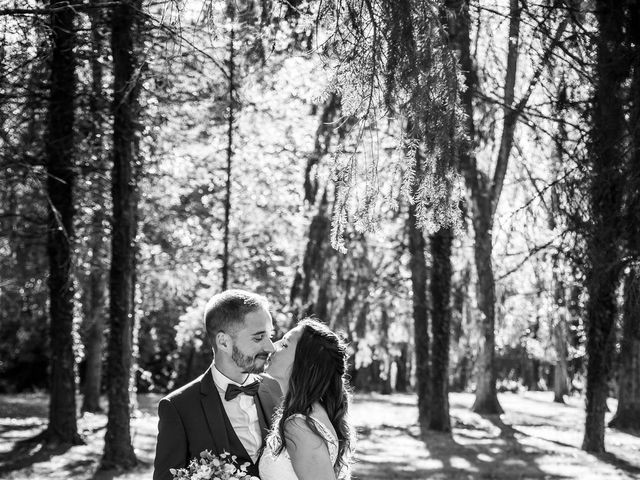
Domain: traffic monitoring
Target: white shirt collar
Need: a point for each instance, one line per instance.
(222, 381)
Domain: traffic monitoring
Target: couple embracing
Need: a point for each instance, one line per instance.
(281, 407)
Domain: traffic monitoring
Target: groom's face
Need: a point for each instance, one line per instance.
(252, 344)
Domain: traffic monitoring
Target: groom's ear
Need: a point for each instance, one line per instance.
(223, 342)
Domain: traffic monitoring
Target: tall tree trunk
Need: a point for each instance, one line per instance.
(314, 259)
(560, 330)
(561, 368)
(628, 414)
(402, 372)
(60, 178)
(385, 364)
(230, 120)
(605, 201)
(485, 192)
(440, 327)
(95, 310)
(419, 277)
(486, 400)
(95, 319)
(118, 450)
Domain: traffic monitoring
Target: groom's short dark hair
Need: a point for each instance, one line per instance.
(225, 311)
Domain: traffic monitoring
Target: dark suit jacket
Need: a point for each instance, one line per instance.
(192, 419)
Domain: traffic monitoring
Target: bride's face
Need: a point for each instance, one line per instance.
(281, 360)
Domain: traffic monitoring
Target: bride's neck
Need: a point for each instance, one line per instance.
(284, 386)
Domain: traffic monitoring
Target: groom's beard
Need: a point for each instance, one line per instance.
(247, 363)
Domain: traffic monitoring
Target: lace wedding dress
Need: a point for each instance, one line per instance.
(279, 467)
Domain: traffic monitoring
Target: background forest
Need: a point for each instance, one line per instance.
(453, 184)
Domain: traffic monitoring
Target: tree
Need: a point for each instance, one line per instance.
(230, 129)
(125, 41)
(605, 197)
(94, 298)
(485, 189)
(419, 278)
(60, 179)
(440, 288)
(628, 413)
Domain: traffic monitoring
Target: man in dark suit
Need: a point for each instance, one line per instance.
(229, 407)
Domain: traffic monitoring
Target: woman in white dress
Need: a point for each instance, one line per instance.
(311, 437)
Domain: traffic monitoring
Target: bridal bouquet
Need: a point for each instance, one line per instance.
(212, 467)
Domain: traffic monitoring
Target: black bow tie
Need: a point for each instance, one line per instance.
(234, 390)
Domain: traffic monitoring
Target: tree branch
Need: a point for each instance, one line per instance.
(513, 113)
(510, 116)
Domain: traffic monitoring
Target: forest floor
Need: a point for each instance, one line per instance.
(535, 438)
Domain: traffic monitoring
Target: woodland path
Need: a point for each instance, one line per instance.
(535, 438)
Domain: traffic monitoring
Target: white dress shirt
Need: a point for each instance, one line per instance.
(242, 412)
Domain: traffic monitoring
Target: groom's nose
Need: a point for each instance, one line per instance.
(269, 347)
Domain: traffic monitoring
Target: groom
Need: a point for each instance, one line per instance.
(229, 407)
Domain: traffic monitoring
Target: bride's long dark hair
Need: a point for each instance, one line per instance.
(318, 375)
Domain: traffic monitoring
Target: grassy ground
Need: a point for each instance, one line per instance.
(535, 438)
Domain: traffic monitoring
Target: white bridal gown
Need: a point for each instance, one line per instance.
(279, 467)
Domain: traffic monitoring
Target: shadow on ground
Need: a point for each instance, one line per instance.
(487, 450)
(26, 452)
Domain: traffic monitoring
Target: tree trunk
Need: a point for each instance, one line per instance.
(313, 259)
(486, 400)
(402, 373)
(94, 343)
(605, 202)
(440, 327)
(385, 370)
(561, 369)
(485, 194)
(95, 310)
(628, 414)
(60, 178)
(227, 198)
(420, 317)
(118, 450)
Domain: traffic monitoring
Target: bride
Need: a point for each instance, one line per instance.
(311, 437)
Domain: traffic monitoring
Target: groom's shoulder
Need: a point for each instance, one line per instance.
(186, 392)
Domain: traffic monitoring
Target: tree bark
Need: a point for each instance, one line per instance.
(118, 450)
(314, 257)
(95, 297)
(227, 198)
(605, 202)
(419, 273)
(60, 151)
(561, 368)
(628, 414)
(402, 375)
(440, 288)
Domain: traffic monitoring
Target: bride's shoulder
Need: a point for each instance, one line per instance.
(319, 413)
(298, 424)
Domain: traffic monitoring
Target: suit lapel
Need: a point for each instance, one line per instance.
(222, 432)
(262, 417)
(214, 412)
